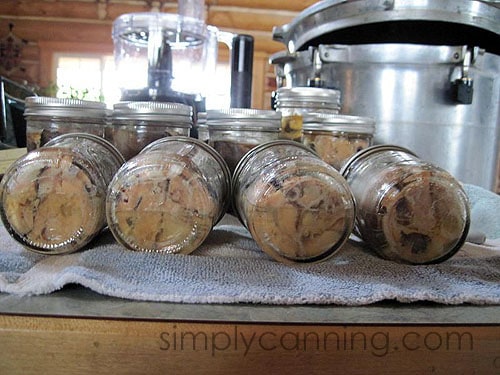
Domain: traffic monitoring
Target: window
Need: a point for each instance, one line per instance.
(93, 77)
(86, 77)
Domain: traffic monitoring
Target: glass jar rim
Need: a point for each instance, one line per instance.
(99, 140)
(346, 169)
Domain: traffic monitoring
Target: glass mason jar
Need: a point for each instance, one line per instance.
(169, 196)
(235, 131)
(295, 102)
(337, 137)
(297, 207)
(47, 118)
(409, 210)
(53, 198)
(134, 125)
(201, 127)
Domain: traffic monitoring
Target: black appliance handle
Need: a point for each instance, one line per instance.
(241, 71)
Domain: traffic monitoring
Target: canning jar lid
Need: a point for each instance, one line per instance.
(338, 123)
(153, 111)
(243, 119)
(308, 94)
(242, 113)
(63, 107)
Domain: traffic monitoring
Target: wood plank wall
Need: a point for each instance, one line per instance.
(49, 26)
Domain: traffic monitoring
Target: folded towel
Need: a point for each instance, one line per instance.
(230, 268)
(485, 210)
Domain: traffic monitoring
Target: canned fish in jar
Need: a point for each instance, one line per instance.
(168, 198)
(53, 198)
(134, 125)
(297, 207)
(295, 102)
(409, 210)
(235, 131)
(47, 118)
(336, 138)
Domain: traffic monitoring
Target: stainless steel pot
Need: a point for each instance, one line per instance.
(440, 100)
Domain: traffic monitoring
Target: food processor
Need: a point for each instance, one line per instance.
(172, 58)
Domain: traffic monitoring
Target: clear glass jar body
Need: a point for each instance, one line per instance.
(131, 136)
(236, 131)
(47, 118)
(336, 138)
(136, 124)
(53, 198)
(168, 197)
(336, 147)
(297, 207)
(201, 127)
(409, 211)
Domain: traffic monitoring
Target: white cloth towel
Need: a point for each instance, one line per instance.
(230, 268)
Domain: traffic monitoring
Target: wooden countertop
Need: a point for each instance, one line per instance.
(76, 331)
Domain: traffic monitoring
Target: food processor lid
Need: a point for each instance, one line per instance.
(332, 15)
(179, 31)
